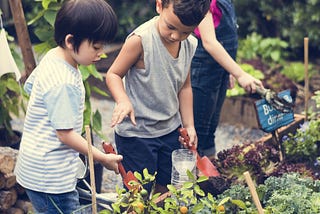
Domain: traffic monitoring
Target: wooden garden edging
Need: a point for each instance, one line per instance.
(239, 110)
(291, 128)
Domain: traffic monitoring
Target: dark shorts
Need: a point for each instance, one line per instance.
(151, 153)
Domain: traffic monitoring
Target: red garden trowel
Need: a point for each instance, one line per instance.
(126, 176)
(204, 164)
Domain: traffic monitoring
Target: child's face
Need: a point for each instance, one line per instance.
(170, 27)
(88, 53)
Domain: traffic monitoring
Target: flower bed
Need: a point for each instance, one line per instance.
(279, 179)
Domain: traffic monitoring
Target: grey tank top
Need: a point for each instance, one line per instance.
(154, 90)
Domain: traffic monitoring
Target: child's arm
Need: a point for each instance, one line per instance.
(129, 55)
(217, 51)
(78, 143)
(186, 111)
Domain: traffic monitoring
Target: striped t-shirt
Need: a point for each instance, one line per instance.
(56, 102)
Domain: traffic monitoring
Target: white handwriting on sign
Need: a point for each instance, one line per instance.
(273, 118)
(267, 109)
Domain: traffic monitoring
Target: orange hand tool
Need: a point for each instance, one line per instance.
(204, 164)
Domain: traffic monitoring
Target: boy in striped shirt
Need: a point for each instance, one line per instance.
(51, 141)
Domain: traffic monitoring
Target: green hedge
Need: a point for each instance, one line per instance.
(289, 20)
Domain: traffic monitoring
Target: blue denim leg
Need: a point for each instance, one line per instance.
(45, 203)
(209, 85)
(210, 81)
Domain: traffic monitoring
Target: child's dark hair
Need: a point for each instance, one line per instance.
(190, 12)
(94, 20)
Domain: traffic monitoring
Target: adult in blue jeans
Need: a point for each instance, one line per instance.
(211, 67)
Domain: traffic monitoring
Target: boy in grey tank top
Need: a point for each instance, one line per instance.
(156, 98)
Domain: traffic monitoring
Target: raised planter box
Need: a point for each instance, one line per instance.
(239, 110)
(285, 130)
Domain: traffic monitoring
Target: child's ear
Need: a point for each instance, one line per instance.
(69, 41)
(158, 6)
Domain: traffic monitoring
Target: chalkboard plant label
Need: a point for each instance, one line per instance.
(270, 119)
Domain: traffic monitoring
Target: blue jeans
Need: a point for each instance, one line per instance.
(46, 203)
(210, 81)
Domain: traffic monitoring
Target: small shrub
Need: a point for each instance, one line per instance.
(296, 71)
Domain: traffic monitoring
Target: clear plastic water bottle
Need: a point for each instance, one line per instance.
(182, 160)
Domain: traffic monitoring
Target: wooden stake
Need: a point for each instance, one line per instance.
(253, 192)
(91, 167)
(306, 77)
(23, 35)
(275, 136)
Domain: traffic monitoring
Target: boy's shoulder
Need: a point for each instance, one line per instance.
(192, 39)
(55, 69)
(145, 27)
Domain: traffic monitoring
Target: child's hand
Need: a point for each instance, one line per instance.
(188, 138)
(122, 110)
(111, 162)
(231, 82)
(249, 83)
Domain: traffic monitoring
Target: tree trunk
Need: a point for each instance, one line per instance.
(23, 35)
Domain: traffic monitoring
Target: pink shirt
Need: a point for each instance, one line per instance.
(216, 16)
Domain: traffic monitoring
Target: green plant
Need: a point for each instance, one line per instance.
(303, 145)
(190, 198)
(131, 14)
(90, 118)
(269, 50)
(238, 192)
(259, 158)
(290, 193)
(11, 100)
(288, 20)
(296, 71)
(10, 105)
(316, 98)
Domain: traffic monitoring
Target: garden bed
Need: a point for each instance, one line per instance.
(278, 181)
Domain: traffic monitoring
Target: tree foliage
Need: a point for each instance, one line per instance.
(290, 20)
